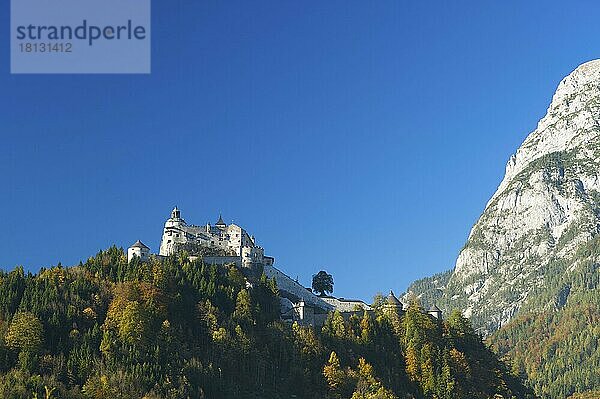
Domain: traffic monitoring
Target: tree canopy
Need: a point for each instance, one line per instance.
(174, 328)
(322, 283)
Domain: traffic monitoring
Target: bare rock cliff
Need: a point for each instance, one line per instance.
(546, 207)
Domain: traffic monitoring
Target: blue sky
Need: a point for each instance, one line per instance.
(363, 138)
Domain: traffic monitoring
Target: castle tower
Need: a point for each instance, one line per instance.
(392, 304)
(138, 249)
(305, 313)
(175, 219)
(220, 223)
(173, 233)
(435, 312)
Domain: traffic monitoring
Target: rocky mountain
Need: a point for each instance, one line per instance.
(529, 273)
(532, 240)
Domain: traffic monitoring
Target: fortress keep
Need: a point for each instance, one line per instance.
(229, 240)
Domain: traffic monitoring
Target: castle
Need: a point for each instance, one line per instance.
(232, 240)
(223, 243)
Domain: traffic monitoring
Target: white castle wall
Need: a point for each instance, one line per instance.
(142, 253)
(285, 283)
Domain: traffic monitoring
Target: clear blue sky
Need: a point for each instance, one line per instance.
(363, 138)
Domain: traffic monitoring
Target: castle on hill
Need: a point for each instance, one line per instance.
(223, 244)
(230, 241)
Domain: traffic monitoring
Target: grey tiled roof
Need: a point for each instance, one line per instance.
(392, 300)
(139, 244)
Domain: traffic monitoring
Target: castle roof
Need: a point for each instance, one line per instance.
(220, 222)
(350, 300)
(175, 213)
(139, 244)
(392, 300)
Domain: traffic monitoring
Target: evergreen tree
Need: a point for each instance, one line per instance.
(171, 328)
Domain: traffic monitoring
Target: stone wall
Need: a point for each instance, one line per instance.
(285, 283)
(346, 305)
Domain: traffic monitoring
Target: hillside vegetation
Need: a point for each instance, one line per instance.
(180, 329)
(555, 340)
(528, 276)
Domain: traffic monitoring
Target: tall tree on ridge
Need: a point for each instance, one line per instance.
(322, 283)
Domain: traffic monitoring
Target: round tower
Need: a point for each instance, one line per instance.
(172, 233)
(392, 304)
(175, 219)
(138, 249)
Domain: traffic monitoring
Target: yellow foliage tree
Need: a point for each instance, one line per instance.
(25, 333)
(134, 312)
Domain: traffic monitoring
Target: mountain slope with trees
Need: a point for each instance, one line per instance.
(179, 329)
(528, 276)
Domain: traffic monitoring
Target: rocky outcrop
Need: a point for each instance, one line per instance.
(546, 207)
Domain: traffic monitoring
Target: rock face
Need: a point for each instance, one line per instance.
(546, 207)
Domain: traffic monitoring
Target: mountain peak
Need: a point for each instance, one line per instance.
(586, 71)
(545, 210)
(576, 83)
(572, 120)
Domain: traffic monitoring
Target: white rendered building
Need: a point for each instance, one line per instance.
(233, 240)
(138, 249)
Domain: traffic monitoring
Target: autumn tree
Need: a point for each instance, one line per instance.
(25, 333)
(335, 325)
(366, 328)
(341, 381)
(243, 307)
(367, 386)
(134, 315)
(174, 328)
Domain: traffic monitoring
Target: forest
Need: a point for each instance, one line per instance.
(175, 328)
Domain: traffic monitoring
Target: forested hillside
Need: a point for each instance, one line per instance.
(180, 329)
(528, 276)
(555, 339)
